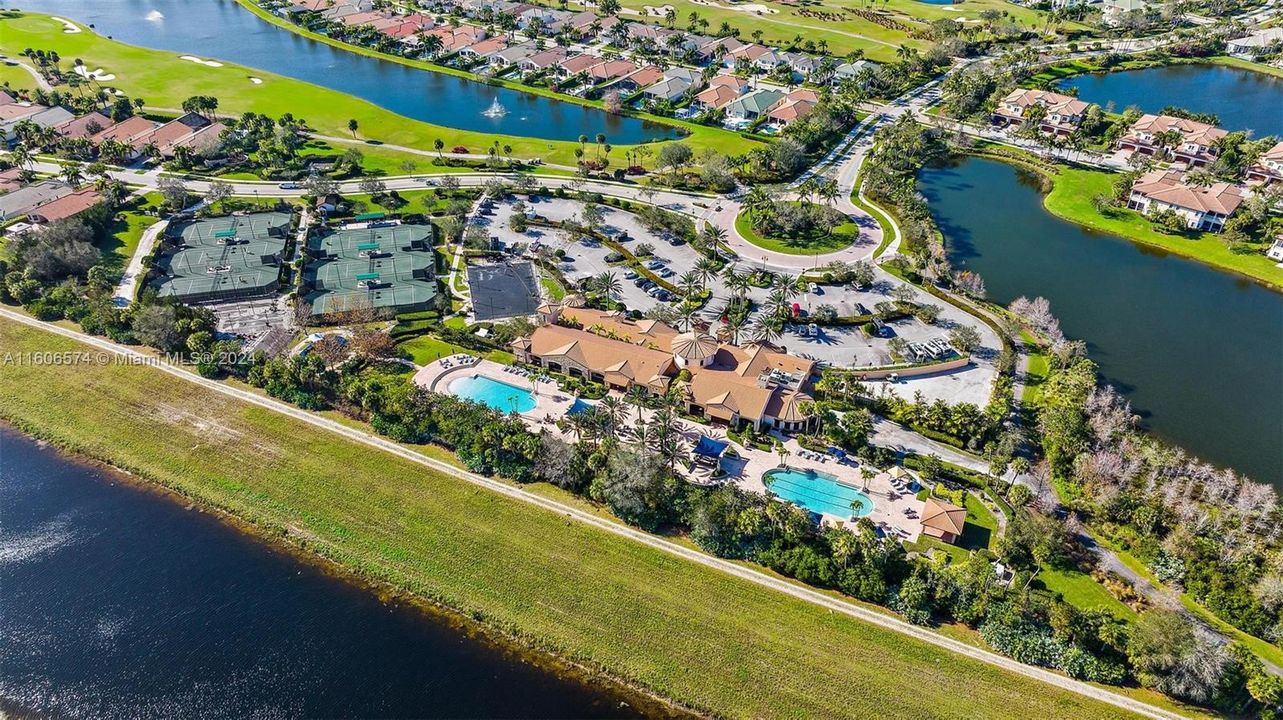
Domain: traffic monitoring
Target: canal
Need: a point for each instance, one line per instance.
(222, 29)
(1196, 350)
(1241, 99)
(117, 601)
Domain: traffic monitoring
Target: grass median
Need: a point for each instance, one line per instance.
(678, 629)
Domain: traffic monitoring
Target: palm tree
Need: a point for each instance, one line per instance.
(756, 199)
(828, 191)
(612, 409)
(690, 283)
(438, 145)
(768, 328)
(601, 140)
(352, 125)
(607, 283)
(706, 266)
(71, 173)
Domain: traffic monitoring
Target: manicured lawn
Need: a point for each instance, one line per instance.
(842, 236)
(15, 77)
(1083, 592)
(1071, 199)
(426, 348)
(127, 231)
(708, 639)
(1038, 372)
(163, 80)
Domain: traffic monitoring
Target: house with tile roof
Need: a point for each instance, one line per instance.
(1196, 145)
(1061, 114)
(1203, 208)
(751, 106)
(1268, 167)
(721, 90)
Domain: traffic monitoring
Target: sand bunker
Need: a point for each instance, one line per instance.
(751, 8)
(256, 81)
(67, 25)
(95, 74)
(653, 11)
(201, 61)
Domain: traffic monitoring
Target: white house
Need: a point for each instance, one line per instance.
(1202, 208)
(1261, 42)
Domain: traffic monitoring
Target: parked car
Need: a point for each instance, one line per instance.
(655, 264)
(665, 272)
(630, 275)
(640, 282)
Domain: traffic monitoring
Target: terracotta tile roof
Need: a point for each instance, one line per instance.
(1168, 187)
(1054, 102)
(1192, 130)
(79, 127)
(126, 130)
(943, 517)
(611, 69)
(579, 63)
(66, 206)
(716, 96)
(619, 362)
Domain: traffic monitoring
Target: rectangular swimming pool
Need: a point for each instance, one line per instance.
(818, 492)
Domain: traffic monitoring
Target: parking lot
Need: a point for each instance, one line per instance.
(838, 346)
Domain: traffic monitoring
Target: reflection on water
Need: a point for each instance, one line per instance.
(223, 29)
(116, 601)
(1197, 351)
(1241, 99)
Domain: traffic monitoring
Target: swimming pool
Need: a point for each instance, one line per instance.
(498, 395)
(817, 492)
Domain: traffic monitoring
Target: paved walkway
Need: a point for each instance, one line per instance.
(127, 290)
(603, 524)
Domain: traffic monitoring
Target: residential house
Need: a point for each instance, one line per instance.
(1268, 167)
(611, 70)
(9, 179)
(746, 53)
(717, 48)
(721, 90)
(12, 114)
(1113, 11)
(513, 55)
(485, 49)
(852, 71)
(85, 125)
(574, 65)
(802, 65)
(542, 60)
(127, 131)
(23, 200)
(67, 206)
(749, 107)
(676, 82)
(943, 521)
(1276, 250)
(639, 78)
(1195, 148)
(1061, 114)
(792, 107)
(1202, 208)
(1261, 42)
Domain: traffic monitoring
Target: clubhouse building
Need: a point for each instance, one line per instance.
(733, 385)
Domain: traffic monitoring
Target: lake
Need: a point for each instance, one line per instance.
(1196, 350)
(1242, 99)
(222, 29)
(118, 601)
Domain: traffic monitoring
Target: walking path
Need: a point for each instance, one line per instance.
(603, 524)
(127, 290)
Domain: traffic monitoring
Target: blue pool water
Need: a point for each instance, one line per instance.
(498, 395)
(816, 492)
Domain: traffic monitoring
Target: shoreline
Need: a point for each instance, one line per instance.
(686, 129)
(293, 545)
(1272, 285)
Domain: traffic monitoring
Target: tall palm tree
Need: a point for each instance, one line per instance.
(607, 283)
(707, 267)
(690, 282)
(613, 409)
(768, 328)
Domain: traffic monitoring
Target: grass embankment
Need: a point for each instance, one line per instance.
(1071, 68)
(118, 247)
(840, 237)
(162, 79)
(684, 631)
(1071, 199)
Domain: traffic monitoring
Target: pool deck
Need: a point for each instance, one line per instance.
(889, 505)
(896, 512)
(550, 401)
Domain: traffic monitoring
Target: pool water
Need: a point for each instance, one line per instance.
(817, 492)
(498, 395)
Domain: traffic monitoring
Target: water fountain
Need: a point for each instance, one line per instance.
(495, 110)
